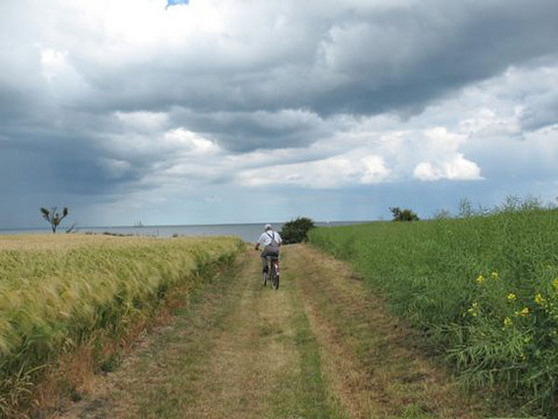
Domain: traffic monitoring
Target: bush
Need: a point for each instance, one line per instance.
(296, 231)
(403, 214)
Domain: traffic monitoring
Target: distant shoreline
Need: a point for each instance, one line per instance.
(247, 231)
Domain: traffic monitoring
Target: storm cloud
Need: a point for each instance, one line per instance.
(133, 104)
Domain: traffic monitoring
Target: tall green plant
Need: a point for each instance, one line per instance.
(500, 332)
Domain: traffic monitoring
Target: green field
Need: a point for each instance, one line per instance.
(484, 289)
(62, 292)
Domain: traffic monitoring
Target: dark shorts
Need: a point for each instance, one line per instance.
(270, 251)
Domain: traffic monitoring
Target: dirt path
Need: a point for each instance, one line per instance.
(320, 346)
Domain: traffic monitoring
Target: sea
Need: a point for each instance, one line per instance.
(247, 232)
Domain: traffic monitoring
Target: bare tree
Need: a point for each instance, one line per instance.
(54, 217)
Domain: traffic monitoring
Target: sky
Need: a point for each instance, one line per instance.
(238, 111)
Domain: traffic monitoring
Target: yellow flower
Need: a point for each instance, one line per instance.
(522, 313)
(507, 322)
(540, 300)
(511, 297)
(494, 275)
(474, 310)
(555, 284)
(480, 280)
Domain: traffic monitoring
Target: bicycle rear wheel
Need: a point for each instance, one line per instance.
(274, 276)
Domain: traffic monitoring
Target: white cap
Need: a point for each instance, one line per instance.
(268, 227)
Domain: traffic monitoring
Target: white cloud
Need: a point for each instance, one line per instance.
(439, 157)
(54, 63)
(457, 168)
(330, 173)
(64, 85)
(187, 143)
(375, 170)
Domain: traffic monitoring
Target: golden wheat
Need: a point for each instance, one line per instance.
(56, 290)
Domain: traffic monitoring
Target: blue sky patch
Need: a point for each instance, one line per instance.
(176, 2)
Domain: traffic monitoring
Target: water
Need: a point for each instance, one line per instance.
(247, 232)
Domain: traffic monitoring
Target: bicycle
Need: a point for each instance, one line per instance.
(272, 272)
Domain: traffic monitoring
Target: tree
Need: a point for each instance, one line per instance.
(403, 214)
(296, 231)
(54, 217)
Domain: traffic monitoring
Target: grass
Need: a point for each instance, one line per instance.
(302, 390)
(372, 361)
(240, 350)
(320, 346)
(61, 293)
(482, 288)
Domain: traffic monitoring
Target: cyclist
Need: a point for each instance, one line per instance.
(270, 240)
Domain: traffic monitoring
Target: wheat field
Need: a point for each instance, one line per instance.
(57, 292)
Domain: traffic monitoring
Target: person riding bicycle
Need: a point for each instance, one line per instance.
(271, 241)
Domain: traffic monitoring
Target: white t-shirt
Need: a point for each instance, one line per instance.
(266, 238)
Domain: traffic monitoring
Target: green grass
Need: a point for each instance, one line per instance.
(182, 351)
(430, 273)
(302, 392)
(59, 293)
(242, 351)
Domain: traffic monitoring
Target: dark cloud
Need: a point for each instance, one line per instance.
(542, 113)
(55, 165)
(245, 131)
(365, 63)
(78, 96)
(362, 61)
(403, 60)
